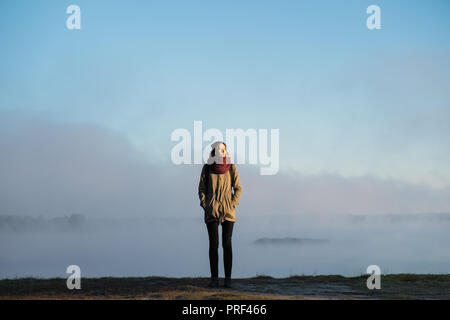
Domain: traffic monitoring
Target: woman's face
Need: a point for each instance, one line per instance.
(222, 150)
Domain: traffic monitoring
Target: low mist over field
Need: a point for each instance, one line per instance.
(38, 246)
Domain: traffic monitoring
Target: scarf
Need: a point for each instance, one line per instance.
(221, 167)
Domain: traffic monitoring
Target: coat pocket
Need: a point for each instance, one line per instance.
(214, 209)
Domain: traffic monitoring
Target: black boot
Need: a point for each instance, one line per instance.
(214, 282)
(227, 283)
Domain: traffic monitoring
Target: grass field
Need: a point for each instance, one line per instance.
(395, 286)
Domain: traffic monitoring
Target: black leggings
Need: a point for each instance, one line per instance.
(213, 233)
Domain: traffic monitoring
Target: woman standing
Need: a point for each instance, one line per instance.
(217, 180)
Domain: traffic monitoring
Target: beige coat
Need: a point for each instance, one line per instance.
(216, 197)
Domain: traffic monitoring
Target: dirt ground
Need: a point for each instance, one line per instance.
(398, 286)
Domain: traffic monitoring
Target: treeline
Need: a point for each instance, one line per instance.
(15, 223)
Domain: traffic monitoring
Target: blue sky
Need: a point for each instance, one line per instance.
(346, 100)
